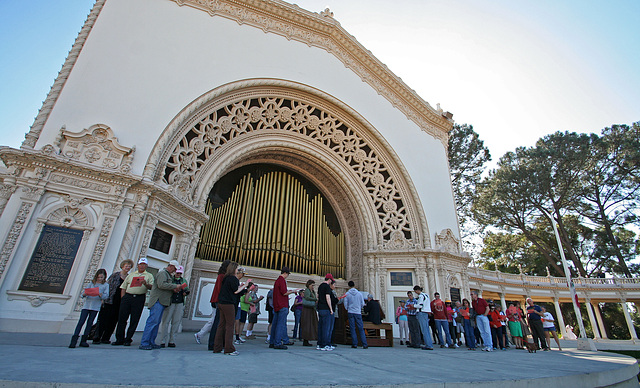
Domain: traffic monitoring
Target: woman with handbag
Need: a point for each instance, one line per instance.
(309, 316)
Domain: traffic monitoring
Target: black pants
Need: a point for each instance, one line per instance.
(414, 330)
(131, 306)
(497, 337)
(538, 333)
(107, 321)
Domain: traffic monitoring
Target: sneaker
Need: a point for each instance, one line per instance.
(328, 348)
(284, 347)
(143, 347)
(237, 342)
(162, 345)
(252, 336)
(266, 341)
(154, 346)
(354, 346)
(319, 348)
(171, 345)
(127, 343)
(365, 347)
(242, 340)
(456, 345)
(197, 335)
(232, 353)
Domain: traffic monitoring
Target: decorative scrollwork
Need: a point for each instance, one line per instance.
(215, 129)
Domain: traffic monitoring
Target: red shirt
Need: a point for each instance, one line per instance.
(280, 300)
(480, 305)
(495, 319)
(439, 309)
(216, 289)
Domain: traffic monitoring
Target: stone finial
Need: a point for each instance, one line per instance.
(326, 13)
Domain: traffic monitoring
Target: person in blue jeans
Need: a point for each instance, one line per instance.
(163, 289)
(423, 307)
(353, 303)
(325, 314)
(297, 312)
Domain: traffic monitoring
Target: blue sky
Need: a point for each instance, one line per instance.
(515, 70)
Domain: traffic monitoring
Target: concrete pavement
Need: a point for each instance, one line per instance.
(43, 360)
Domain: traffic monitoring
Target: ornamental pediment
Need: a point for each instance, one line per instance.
(96, 146)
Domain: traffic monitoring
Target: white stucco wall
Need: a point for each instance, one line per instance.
(145, 60)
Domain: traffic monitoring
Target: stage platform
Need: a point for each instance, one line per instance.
(43, 360)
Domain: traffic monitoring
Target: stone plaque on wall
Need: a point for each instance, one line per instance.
(52, 260)
(455, 294)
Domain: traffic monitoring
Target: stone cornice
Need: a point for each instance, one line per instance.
(26, 158)
(323, 31)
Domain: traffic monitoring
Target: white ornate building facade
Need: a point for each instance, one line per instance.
(159, 99)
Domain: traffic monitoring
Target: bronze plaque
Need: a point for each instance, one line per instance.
(455, 294)
(52, 260)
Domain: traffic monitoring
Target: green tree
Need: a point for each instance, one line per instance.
(610, 189)
(468, 157)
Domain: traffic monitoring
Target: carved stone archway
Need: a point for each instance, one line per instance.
(207, 136)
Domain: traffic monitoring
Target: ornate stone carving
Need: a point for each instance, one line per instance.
(14, 234)
(97, 146)
(447, 242)
(81, 183)
(6, 191)
(68, 216)
(217, 127)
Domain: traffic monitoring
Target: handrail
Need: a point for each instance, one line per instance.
(552, 280)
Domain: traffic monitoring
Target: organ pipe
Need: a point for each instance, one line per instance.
(271, 221)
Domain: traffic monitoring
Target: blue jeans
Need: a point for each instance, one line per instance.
(279, 326)
(423, 319)
(153, 323)
(357, 329)
(485, 330)
(325, 319)
(443, 324)
(469, 337)
(88, 316)
(296, 327)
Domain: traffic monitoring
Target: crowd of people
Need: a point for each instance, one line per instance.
(422, 322)
(121, 299)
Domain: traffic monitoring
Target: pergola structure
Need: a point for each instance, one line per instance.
(591, 291)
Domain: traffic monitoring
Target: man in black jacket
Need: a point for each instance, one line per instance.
(373, 310)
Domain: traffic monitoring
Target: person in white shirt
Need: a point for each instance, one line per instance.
(423, 306)
(549, 328)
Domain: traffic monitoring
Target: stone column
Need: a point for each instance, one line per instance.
(592, 319)
(603, 332)
(627, 317)
(503, 302)
(559, 317)
(430, 287)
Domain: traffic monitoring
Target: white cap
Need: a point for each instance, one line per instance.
(174, 263)
(143, 260)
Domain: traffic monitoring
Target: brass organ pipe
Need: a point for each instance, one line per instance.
(268, 228)
(247, 210)
(255, 223)
(285, 221)
(275, 257)
(261, 247)
(289, 259)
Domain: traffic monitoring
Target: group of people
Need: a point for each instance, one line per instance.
(422, 321)
(121, 299)
(315, 312)
(483, 324)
